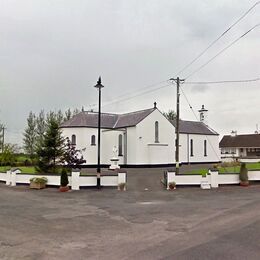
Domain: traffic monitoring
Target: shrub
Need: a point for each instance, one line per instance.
(215, 166)
(64, 178)
(42, 180)
(230, 164)
(243, 176)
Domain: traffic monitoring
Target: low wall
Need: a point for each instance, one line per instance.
(213, 178)
(75, 180)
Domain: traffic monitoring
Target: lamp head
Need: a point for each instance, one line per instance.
(99, 85)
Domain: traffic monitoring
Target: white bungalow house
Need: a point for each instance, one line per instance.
(141, 138)
(245, 147)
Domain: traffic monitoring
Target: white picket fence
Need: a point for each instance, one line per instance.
(213, 178)
(76, 181)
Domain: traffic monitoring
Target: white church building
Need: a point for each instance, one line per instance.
(141, 138)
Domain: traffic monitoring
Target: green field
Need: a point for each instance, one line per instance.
(24, 169)
(228, 169)
(202, 171)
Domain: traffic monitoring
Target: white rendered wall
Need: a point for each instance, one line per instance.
(214, 179)
(149, 152)
(75, 181)
(109, 140)
(213, 154)
(83, 141)
(141, 146)
(132, 140)
(3, 176)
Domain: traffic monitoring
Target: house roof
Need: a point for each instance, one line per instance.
(194, 127)
(251, 140)
(109, 121)
(114, 121)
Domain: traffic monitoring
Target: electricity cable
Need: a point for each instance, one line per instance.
(211, 145)
(223, 50)
(219, 37)
(223, 81)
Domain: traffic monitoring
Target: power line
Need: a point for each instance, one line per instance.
(215, 41)
(219, 37)
(143, 93)
(220, 52)
(223, 81)
(212, 147)
(195, 59)
(119, 98)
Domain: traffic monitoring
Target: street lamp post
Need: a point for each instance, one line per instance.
(99, 86)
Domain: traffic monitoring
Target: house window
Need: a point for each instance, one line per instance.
(191, 147)
(73, 139)
(93, 140)
(205, 147)
(120, 145)
(156, 128)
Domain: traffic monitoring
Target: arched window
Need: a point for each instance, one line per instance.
(120, 145)
(156, 132)
(73, 139)
(191, 147)
(205, 147)
(93, 140)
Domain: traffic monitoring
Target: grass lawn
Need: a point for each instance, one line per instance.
(24, 169)
(229, 169)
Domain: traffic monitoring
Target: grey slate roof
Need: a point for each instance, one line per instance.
(194, 127)
(238, 141)
(114, 121)
(109, 121)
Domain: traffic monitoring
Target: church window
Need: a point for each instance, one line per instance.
(191, 147)
(205, 147)
(156, 126)
(93, 140)
(120, 145)
(73, 139)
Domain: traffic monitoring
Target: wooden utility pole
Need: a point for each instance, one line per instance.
(3, 139)
(177, 127)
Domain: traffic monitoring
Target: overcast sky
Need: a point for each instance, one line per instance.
(52, 52)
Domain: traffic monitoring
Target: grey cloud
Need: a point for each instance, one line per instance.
(52, 52)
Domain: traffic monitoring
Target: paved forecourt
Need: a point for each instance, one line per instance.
(187, 223)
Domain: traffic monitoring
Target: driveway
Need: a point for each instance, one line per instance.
(188, 223)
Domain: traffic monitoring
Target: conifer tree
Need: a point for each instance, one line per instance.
(52, 147)
(68, 115)
(40, 127)
(30, 135)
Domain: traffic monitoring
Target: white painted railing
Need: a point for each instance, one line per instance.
(213, 178)
(76, 181)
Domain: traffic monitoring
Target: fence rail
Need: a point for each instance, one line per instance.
(13, 177)
(213, 178)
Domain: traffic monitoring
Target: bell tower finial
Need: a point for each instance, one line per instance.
(203, 115)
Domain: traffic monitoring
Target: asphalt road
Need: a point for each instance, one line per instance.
(188, 223)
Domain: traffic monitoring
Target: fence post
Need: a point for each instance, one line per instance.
(214, 178)
(75, 179)
(8, 177)
(13, 178)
